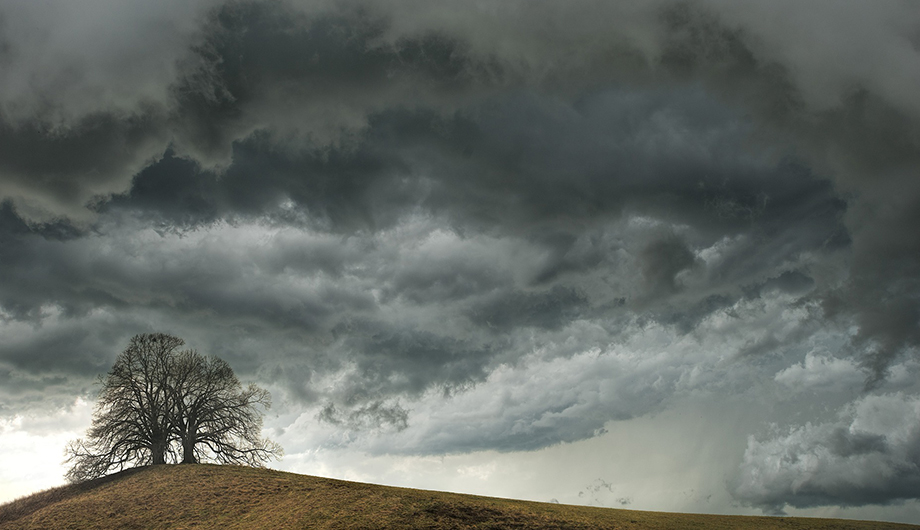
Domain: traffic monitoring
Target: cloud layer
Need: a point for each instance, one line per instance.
(439, 229)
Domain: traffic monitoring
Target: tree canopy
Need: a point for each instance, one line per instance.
(159, 404)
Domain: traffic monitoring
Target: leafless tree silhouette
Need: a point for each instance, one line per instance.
(216, 417)
(158, 403)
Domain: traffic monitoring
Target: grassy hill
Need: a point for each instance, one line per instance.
(209, 496)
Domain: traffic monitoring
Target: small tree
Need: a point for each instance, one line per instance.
(157, 403)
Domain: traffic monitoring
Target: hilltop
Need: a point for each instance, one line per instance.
(211, 496)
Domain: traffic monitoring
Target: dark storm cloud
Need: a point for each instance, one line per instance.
(481, 170)
(249, 65)
(687, 317)
(373, 416)
(96, 144)
(375, 182)
(876, 146)
(867, 138)
(443, 278)
(662, 260)
(51, 171)
(44, 371)
(793, 282)
(379, 208)
(78, 275)
(257, 59)
(394, 360)
(175, 191)
(883, 291)
(586, 166)
(13, 227)
(548, 309)
(84, 99)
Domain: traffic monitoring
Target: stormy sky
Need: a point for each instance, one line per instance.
(661, 255)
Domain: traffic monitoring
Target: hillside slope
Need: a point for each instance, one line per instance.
(209, 496)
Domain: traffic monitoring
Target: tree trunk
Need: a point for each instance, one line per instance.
(159, 453)
(188, 451)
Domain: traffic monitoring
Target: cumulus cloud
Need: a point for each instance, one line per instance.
(868, 456)
(819, 371)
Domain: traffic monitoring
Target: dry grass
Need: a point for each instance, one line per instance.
(208, 496)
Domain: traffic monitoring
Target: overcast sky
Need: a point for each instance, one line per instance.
(657, 255)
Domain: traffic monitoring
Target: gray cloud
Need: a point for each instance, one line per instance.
(274, 243)
(53, 172)
(861, 128)
(391, 359)
(662, 261)
(394, 212)
(377, 415)
(550, 309)
(868, 456)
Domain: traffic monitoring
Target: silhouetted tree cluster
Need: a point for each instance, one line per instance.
(160, 404)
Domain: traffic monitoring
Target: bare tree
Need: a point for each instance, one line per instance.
(217, 418)
(132, 420)
(158, 403)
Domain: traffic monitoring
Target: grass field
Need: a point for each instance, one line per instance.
(209, 496)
